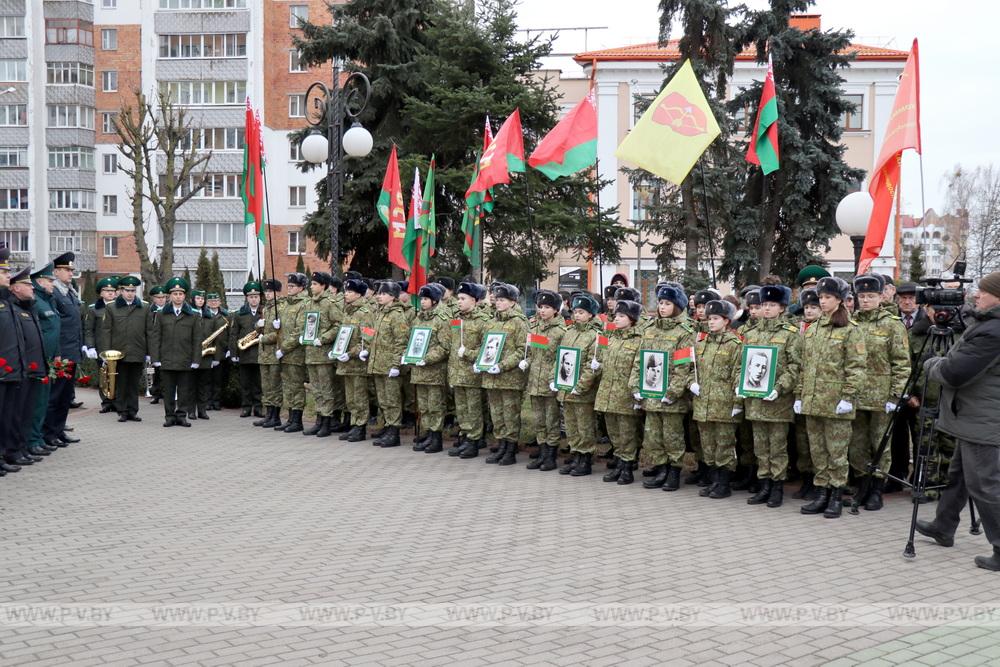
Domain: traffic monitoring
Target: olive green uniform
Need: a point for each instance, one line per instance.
(270, 367)
(319, 365)
(718, 356)
(466, 340)
(578, 404)
(541, 372)
(614, 394)
(391, 332)
(430, 377)
(504, 390)
(293, 360)
(354, 371)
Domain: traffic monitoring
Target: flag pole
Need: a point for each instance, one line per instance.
(597, 202)
(270, 241)
(708, 221)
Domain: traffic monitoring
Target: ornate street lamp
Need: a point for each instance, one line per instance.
(853, 213)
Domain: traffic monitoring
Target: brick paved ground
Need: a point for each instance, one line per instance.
(138, 518)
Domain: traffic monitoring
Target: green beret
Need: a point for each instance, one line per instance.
(811, 273)
(44, 272)
(106, 282)
(156, 289)
(212, 295)
(177, 283)
(197, 292)
(129, 281)
(252, 287)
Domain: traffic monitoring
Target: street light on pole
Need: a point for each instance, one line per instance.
(853, 213)
(331, 107)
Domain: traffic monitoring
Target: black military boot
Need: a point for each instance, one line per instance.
(391, 437)
(202, 412)
(472, 448)
(654, 471)
(777, 494)
(268, 416)
(356, 434)
(613, 475)
(874, 502)
(295, 422)
(991, 562)
(333, 421)
(698, 476)
(722, 488)
(344, 423)
(713, 476)
(806, 488)
(536, 463)
(420, 443)
(459, 446)
(245, 412)
(257, 411)
(627, 476)
(761, 496)
(498, 454)
(583, 466)
(568, 467)
(314, 429)
(510, 454)
(819, 504)
(659, 479)
(435, 444)
(741, 480)
(673, 480)
(549, 459)
(324, 429)
(836, 504)
(278, 424)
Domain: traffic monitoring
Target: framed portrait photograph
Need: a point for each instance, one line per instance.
(653, 373)
(416, 348)
(490, 350)
(758, 370)
(342, 341)
(567, 372)
(311, 330)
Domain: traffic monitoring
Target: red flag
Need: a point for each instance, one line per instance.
(538, 340)
(393, 213)
(413, 244)
(571, 145)
(902, 132)
(762, 148)
(685, 355)
(603, 341)
(504, 155)
(252, 182)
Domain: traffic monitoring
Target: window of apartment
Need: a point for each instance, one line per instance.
(62, 241)
(215, 138)
(16, 241)
(205, 92)
(295, 62)
(296, 106)
(71, 200)
(234, 281)
(643, 197)
(12, 26)
(297, 15)
(297, 196)
(210, 233)
(294, 151)
(109, 4)
(110, 161)
(110, 246)
(109, 81)
(71, 157)
(108, 120)
(14, 115)
(69, 31)
(296, 243)
(203, 4)
(71, 115)
(14, 199)
(13, 156)
(69, 73)
(13, 69)
(109, 206)
(218, 186)
(109, 39)
(852, 120)
(213, 45)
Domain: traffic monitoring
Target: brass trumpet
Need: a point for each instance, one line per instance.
(249, 340)
(106, 376)
(207, 349)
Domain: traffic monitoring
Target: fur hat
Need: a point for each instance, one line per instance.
(673, 293)
(548, 298)
(904, 289)
(721, 308)
(445, 281)
(389, 287)
(298, 279)
(809, 297)
(322, 278)
(779, 294)
(871, 282)
(832, 285)
(627, 294)
(586, 302)
(271, 285)
(753, 297)
(701, 297)
(356, 285)
(630, 309)
(431, 291)
(505, 291)
(475, 290)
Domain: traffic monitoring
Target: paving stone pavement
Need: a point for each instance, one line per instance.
(224, 544)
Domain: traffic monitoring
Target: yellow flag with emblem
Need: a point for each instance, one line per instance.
(674, 131)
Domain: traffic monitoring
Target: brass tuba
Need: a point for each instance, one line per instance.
(207, 349)
(107, 374)
(249, 340)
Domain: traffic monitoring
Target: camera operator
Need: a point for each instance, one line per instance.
(970, 411)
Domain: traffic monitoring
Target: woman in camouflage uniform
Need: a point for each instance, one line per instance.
(615, 393)
(430, 375)
(546, 335)
(319, 365)
(270, 368)
(578, 404)
(352, 364)
(471, 320)
(809, 300)
(833, 370)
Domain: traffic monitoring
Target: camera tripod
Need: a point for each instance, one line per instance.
(940, 338)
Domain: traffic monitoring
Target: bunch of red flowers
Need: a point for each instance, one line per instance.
(5, 366)
(62, 369)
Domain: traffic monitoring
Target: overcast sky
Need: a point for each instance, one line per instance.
(959, 65)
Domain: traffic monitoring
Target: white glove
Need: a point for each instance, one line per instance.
(91, 353)
(227, 354)
(797, 407)
(214, 363)
(394, 372)
(194, 366)
(843, 407)
(553, 387)
(637, 406)
(343, 357)
(84, 349)
(278, 354)
(695, 389)
(494, 370)
(301, 340)
(890, 407)
(317, 342)
(147, 359)
(461, 351)
(595, 365)
(276, 324)
(402, 360)
(421, 363)
(363, 355)
(736, 411)
(235, 360)
(773, 396)
(575, 392)
(637, 396)
(476, 369)
(260, 323)
(523, 364)
(666, 400)
(156, 364)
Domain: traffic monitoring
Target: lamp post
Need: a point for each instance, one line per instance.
(853, 213)
(334, 105)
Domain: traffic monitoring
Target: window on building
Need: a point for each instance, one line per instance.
(234, 281)
(71, 115)
(852, 120)
(13, 69)
(295, 62)
(109, 205)
(296, 243)
(109, 121)
(296, 106)
(208, 93)
(109, 4)
(215, 139)
(211, 45)
(64, 241)
(12, 26)
(297, 15)
(16, 241)
(110, 246)
(71, 157)
(210, 234)
(69, 31)
(14, 199)
(69, 73)
(71, 200)
(203, 4)
(13, 156)
(14, 115)
(110, 162)
(643, 198)
(294, 151)
(297, 196)
(109, 39)
(109, 81)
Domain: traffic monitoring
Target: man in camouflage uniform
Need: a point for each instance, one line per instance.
(503, 382)
(466, 340)
(317, 326)
(392, 329)
(338, 422)
(429, 375)
(809, 306)
(546, 333)
(290, 353)
(352, 366)
(270, 368)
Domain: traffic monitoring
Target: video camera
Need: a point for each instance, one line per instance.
(946, 301)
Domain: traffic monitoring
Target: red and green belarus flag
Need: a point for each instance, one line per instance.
(683, 356)
(393, 213)
(412, 244)
(763, 148)
(252, 182)
(477, 205)
(538, 340)
(502, 157)
(571, 145)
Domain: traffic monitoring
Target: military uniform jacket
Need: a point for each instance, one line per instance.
(749, 326)
(515, 325)
(435, 368)
(784, 336)
(93, 337)
(469, 337)
(36, 365)
(582, 336)
(241, 323)
(209, 325)
(614, 394)
(12, 366)
(49, 323)
(67, 304)
(542, 360)
(175, 340)
(668, 334)
(392, 330)
(833, 368)
(328, 326)
(289, 312)
(887, 365)
(123, 328)
(358, 314)
(270, 311)
(718, 358)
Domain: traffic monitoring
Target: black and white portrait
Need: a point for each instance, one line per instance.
(567, 371)
(758, 371)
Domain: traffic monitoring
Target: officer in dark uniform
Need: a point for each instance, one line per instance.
(158, 297)
(175, 348)
(242, 323)
(35, 367)
(11, 366)
(123, 328)
(107, 291)
(71, 349)
(49, 326)
(217, 316)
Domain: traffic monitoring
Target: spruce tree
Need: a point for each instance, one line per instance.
(218, 280)
(187, 275)
(203, 272)
(917, 269)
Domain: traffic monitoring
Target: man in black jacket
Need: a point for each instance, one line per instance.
(11, 368)
(34, 365)
(970, 411)
(71, 346)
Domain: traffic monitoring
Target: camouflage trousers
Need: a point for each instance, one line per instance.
(803, 460)
(293, 386)
(868, 428)
(770, 443)
(829, 440)
(469, 411)
(505, 411)
(745, 447)
(339, 401)
(321, 388)
(663, 439)
(430, 406)
(389, 395)
(356, 398)
(580, 434)
(718, 444)
(624, 433)
(270, 384)
(545, 413)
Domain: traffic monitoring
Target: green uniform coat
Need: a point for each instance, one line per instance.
(778, 333)
(833, 368)
(123, 328)
(435, 368)
(614, 394)
(718, 357)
